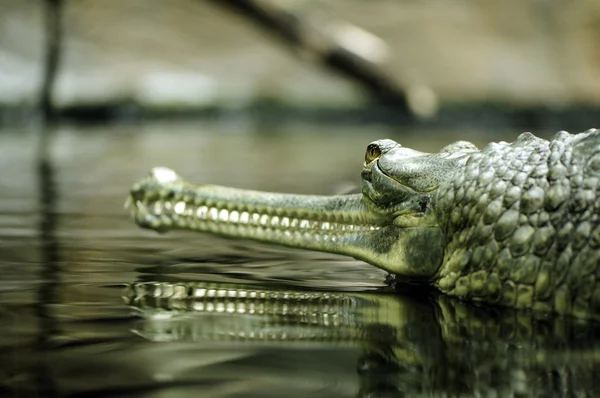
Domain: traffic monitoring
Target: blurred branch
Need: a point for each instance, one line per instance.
(344, 48)
(53, 12)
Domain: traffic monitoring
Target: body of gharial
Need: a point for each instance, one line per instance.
(512, 224)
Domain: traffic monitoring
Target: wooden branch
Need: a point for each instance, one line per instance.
(339, 46)
(53, 14)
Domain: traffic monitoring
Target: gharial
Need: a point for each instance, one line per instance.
(512, 224)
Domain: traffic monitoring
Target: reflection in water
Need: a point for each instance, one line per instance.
(427, 345)
(49, 273)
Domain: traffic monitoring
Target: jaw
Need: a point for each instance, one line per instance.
(407, 245)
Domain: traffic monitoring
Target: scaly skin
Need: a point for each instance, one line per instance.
(513, 224)
(521, 225)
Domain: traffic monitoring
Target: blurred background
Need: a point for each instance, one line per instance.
(527, 64)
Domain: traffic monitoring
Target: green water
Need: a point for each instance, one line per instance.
(90, 305)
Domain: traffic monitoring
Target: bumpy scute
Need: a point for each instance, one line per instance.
(543, 209)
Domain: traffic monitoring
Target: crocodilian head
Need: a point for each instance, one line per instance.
(399, 184)
(391, 224)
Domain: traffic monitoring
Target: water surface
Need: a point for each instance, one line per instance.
(91, 305)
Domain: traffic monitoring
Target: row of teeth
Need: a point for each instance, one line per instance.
(253, 302)
(337, 332)
(175, 291)
(312, 314)
(207, 213)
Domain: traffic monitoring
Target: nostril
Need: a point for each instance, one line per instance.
(373, 152)
(163, 175)
(366, 175)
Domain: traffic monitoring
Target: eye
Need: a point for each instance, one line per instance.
(373, 152)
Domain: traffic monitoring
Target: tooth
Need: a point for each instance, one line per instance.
(255, 218)
(304, 224)
(234, 216)
(285, 222)
(141, 211)
(244, 217)
(274, 221)
(179, 207)
(156, 209)
(294, 223)
(213, 213)
(179, 291)
(127, 203)
(223, 215)
(202, 212)
(325, 225)
(264, 219)
(200, 293)
(315, 237)
(189, 210)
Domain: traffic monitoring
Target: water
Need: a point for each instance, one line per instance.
(91, 305)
